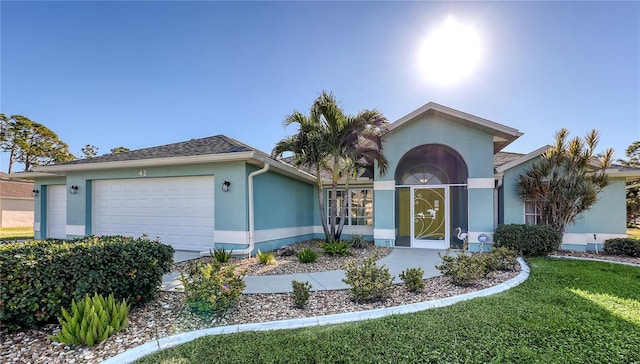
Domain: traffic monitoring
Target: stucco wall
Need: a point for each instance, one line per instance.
(230, 207)
(16, 212)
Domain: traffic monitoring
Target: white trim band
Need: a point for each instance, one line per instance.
(480, 183)
(384, 233)
(384, 185)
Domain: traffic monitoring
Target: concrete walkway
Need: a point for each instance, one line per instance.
(398, 260)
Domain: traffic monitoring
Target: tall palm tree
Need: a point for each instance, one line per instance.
(307, 148)
(328, 140)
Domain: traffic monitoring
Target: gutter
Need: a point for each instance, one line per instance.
(252, 240)
(496, 202)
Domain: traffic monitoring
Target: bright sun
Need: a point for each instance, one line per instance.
(450, 53)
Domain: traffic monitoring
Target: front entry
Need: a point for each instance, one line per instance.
(430, 222)
(431, 198)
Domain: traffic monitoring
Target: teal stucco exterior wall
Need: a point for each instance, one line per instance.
(474, 146)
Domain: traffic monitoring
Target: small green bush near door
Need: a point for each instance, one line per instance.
(369, 281)
(212, 288)
(39, 277)
(528, 240)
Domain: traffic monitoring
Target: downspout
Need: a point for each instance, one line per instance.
(252, 241)
(496, 201)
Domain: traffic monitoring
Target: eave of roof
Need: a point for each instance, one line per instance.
(250, 157)
(502, 134)
(525, 158)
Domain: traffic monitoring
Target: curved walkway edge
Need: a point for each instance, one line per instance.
(153, 346)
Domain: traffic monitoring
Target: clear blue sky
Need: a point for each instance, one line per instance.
(141, 74)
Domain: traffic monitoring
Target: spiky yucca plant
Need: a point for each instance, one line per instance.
(92, 320)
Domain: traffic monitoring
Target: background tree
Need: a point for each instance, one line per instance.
(566, 180)
(330, 141)
(117, 150)
(31, 143)
(89, 151)
(633, 186)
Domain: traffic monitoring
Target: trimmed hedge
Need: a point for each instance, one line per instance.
(622, 246)
(528, 240)
(37, 278)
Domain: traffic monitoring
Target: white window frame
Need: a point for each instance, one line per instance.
(536, 213)
(368, 208)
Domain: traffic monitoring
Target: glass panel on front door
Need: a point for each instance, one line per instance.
(429, 214)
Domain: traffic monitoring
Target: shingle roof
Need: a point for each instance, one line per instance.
(218, 144)
(502, 158)
(15, 188)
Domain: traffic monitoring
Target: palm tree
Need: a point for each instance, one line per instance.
(336, 143)
(307, 148)
(567, 179)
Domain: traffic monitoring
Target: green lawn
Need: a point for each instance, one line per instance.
(634, 232)
(16, 233)
(566, 312)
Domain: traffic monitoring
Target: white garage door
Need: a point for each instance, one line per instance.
(56, 212)
(178, 210)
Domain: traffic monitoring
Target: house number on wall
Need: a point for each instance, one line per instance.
(143, 173)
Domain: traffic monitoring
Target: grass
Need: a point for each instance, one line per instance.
(566, 312)
(16, 233)
(634, 232)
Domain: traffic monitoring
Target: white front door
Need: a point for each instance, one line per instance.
(430, 215)
(56, 212)
(178, 210)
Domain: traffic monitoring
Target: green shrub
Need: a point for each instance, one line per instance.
(622, 246)
(412, 278)
(300, 293)
(37, 278)
(500, 258)
(221, 255)
(266, 258)
(462, 269)
(212, 288)
(368, 282)
(307, 256)
(336, 248)
(92, 320)
(358, 241)
(528, 240)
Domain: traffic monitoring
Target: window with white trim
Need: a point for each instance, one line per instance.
(359, 206)
(532, 215)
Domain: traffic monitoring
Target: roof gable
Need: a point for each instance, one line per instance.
(502, 134)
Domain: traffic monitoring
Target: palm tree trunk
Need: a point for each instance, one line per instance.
(343, 209)
(323, 216)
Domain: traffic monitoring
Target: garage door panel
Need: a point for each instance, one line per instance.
(178, 210)
(56, 211)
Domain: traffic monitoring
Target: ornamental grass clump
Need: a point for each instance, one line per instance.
(307, 256)
(92, 320)
(220, 255)
(266, 258)
(358, 241)
(300, 294)
(334, 248)
(369, 282)
(212, 288)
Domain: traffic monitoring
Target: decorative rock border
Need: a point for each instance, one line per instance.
(151, 347)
